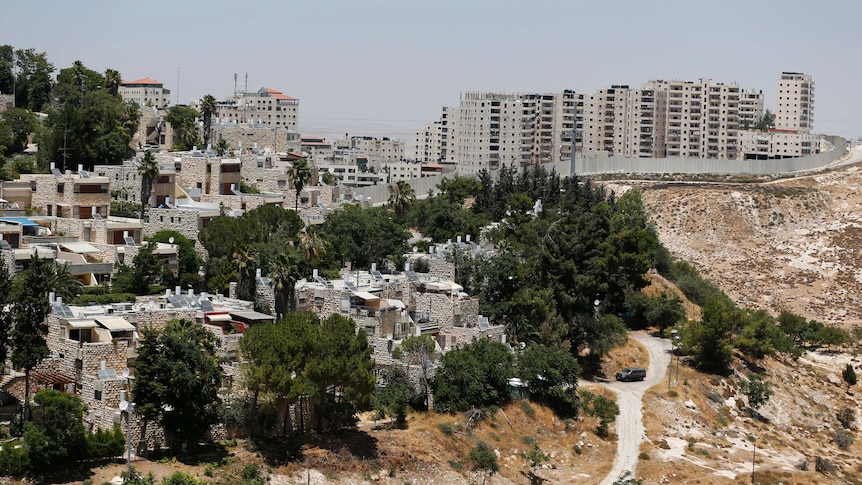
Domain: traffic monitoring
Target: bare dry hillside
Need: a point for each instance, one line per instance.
(794, 244)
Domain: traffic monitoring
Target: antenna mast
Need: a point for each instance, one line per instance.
(234, 84)
(178, 86)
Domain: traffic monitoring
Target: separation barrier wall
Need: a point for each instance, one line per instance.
(586, 166)
(379, 194)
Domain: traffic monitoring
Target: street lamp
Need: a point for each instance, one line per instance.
(673, 340)
(127, 407)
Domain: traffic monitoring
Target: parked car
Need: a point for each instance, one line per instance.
(631, 374)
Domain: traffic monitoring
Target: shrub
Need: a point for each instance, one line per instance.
(103, 299)
(106, 443)
(13, 461)
(483, 458)
(843, 439)
(455, 465)
(528, 408)
(643, 455)
(847, 418)
(446, 428)
(251, 471)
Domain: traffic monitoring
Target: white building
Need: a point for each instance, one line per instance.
(489, 130)
(145, 92)
(795, 110)
(794, 117)
(265, 107)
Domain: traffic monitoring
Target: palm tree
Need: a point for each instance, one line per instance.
(401, 195)
(112, 81)
(222, 147)
(149, 171)
(61, 282)
(299, 175)
(188, 132)
(283, 271)
(246, 264)
(208, 107)
(314, 245)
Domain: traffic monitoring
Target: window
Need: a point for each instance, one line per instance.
(97, 395)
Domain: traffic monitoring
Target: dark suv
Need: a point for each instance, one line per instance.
(631, 374)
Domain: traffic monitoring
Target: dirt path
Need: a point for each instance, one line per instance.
(630, 427)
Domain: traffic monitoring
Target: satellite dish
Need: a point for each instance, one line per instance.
(171, 239)
(124, 405)
(126, 373)
(596, 303)
(523, 345)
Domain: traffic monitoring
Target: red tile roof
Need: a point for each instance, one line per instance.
(144, 80)
(277, 94)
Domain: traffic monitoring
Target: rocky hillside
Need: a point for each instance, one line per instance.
(793, 244)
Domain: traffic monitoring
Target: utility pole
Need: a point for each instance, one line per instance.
(64, 149)
(178, 86)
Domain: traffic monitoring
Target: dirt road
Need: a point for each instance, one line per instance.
(630, 427)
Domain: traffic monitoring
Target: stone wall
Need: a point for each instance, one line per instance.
(278, 140)
(236, 202)
(266, 294)
(184, 221)
(9, 260)
(440, 268)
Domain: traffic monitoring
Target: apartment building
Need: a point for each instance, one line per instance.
(379, 151)
(760, 145)
(71, 195)
(750, 107)
(702, 118)
(147, 92)
(489, 130)
(604, 117)
(794, 116)
(795, 108)
(267, 107)
(430, 142)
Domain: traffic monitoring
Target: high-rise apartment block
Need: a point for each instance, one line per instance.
(488, 130)
(265, 107)
(794, 118)
(662, 118)
(795, 110)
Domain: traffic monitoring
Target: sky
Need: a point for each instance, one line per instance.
(387, 67)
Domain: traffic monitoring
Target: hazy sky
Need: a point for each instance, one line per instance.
(386, 67)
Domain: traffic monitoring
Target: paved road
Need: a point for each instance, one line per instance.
(630, 427)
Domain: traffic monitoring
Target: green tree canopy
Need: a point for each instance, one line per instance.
(182, 120)
(476, 374)
(178, 378)
(91, 123)
(362, 236)
(849, 376)
(391, 399)
(340, 374)
(552, 373)
(56, 435)
(276, 357)
(29, 309)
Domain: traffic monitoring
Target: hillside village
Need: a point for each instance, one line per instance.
(483, 254)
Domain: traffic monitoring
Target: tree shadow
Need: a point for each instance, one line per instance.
(199, 454)
(73, 472)
(358, 443)
(348, 443)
